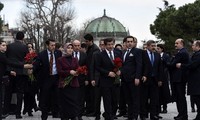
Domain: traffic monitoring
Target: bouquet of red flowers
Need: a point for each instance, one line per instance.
(30, 57)
(118, 64)
(79, 70)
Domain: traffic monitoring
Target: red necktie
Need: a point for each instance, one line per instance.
(51, 63)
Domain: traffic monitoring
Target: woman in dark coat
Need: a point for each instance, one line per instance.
(164, 91)
(66, 67)
(194, 76)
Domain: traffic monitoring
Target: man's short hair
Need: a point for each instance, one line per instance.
(149, 42)
(197, 43)
(106, 40)
(49, 40)
(125, 39)
(88, 37)
(20, 35)
(83, 45)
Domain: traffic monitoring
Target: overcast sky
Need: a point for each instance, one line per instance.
(135, 15)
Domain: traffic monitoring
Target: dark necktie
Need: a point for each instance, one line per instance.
(126, 54)
(152, 60)
(111, 57)
(76, 55)
(51, 63)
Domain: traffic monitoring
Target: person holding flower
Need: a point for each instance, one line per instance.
(107, 76)
(68, 84)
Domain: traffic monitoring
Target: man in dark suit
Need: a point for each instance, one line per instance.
(46, 71)
(4, 61)
(107, 75)
(92, 48)
(95, 82)
(151, 80)
(131, 74)
(122, 98)
(16, 52)
(194, 74)
(81, 56)
(178, 79)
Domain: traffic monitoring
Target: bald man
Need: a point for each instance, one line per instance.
(178, 79)
(81, 56)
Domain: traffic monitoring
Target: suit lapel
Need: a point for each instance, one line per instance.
(46, 57)
(106, 56)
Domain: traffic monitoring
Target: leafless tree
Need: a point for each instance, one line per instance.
(43, 19)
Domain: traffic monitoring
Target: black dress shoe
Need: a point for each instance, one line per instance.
(30, 114)
(56, 116)
(184, 117)
(125, 115)
(160, 117)
(154, 118)
(97, 118)
(164, 111)
(36, 109)
(80, 118)
(91, 114)
(142, 118)
(193, 110)
(4, 116)
(18, 117)
(121, 114)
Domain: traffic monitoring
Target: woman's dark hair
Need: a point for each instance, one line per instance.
(118, 45)
(30, 44)
(1, 41)
(161, 46)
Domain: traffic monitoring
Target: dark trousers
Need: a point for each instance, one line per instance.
(20, 82)
(133, 98)
(49, 99)
(29, 96)
(115, 99)
(149, 89)
(192, 101)
(108, 95)
(98, 95)
(90, 98)
(122, 100)
(197, 101)
(178, 92)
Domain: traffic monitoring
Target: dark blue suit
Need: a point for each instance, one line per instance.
(48, 84)
(131, 70)
(149, 89)
(104, 65)
(178, 80)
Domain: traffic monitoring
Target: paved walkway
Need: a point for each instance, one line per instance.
(169, 116)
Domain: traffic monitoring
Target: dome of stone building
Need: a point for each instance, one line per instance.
(106, 27)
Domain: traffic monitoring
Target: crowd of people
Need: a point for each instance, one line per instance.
(132, 82)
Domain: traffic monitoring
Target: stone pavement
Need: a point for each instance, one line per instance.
(169, 116)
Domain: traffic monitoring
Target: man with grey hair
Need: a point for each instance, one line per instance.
(81, 57)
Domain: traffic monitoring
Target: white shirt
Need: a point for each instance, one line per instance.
(78, 55)
(108, 52)
(54, 70)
